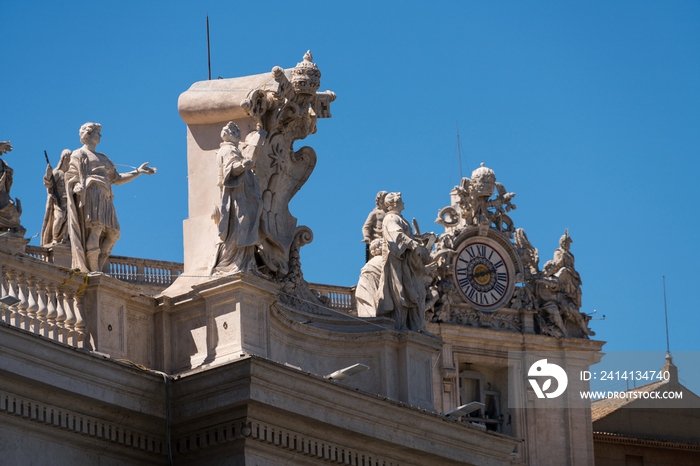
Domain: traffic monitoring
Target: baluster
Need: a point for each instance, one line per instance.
(21, 315)
(69, 323)
(79, 322)
(60, 316)
(42, 310)
(140, 273)
(51, 313)
(10, 275)
(32, 307)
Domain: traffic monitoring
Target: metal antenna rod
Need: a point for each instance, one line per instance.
(459, 153)
(668, 348)
(208, 49)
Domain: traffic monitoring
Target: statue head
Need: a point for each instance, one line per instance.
(393, 201)
(381, 195)
(64, 161)
(231, 132)
(89, 131)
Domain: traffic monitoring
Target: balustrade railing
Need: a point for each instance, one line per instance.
(128, 269)
(341, 298)
(43, 300)
(143, 271)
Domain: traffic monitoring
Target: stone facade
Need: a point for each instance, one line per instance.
(150, 362)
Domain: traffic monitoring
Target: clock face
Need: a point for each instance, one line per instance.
(483, 275)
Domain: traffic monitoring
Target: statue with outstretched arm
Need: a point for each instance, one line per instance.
(92, 220)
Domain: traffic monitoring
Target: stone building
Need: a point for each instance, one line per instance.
(650, 432)
(233, 358)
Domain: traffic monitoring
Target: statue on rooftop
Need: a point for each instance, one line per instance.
(558, 292)
(402, 287)
(372, 229)
(368, 285)
(92, 220)
(53, 230)
(239, 217)
(10, 210)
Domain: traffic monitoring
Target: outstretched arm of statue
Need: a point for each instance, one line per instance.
(128, 176)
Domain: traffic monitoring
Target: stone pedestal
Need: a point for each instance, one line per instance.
(9, 241)
(415, 369)
(237, 316)
(217, 321)
(61, 255)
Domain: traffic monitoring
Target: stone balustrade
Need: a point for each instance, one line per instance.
(341, 298)
(155, 273)
(143, 271)
(47, 299)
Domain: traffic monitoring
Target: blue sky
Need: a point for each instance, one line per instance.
(588, 111)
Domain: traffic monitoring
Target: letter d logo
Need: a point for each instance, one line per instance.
(543, 369)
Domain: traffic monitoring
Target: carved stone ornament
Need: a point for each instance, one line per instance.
(473, 205)
(487, 271)
(284, 114)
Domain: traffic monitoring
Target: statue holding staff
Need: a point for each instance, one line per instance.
(53, 230)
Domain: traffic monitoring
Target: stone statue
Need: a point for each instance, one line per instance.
(402, 287)
(368, 285)
(524, 296)
(10, 210)
(92, 220)
(53, 230)
(558, 290)
(372, 229)
(239, 218)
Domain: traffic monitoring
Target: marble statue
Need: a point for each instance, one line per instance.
(10, 210)
(524, 296)
(402, 287)
(239, 217)
(372, 229)
(53, 230)
(92, 220)
(558, 293)
(368, 285)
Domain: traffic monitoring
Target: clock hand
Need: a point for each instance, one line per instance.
(481, 274)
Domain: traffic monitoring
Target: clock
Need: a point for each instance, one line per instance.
(484, 273)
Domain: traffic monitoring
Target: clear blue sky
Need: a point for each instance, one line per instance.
(588, 111)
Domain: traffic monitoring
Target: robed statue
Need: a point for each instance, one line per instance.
(92, 219)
